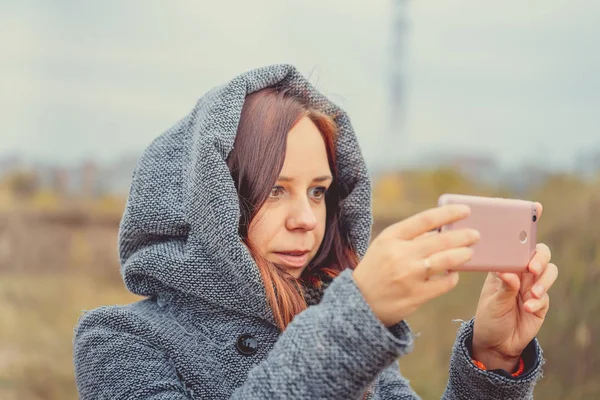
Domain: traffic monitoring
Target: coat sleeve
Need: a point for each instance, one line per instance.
(390, 384)
(466, 381)
(332, 350)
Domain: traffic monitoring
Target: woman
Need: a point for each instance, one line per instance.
(247, 228)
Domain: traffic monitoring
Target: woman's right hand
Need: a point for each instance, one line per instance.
(405, 266)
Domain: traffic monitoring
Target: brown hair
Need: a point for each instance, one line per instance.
(255, 163)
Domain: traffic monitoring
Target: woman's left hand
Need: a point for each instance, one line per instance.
(511, 311)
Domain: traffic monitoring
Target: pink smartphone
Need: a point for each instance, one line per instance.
(508, 229)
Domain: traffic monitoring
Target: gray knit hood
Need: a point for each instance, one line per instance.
(179, 231)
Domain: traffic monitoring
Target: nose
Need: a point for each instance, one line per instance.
(301, 216)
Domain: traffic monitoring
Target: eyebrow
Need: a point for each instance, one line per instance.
(317, 179)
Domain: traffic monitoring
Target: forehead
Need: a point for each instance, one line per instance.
(306, 153)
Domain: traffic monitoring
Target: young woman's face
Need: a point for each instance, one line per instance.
(289, 227)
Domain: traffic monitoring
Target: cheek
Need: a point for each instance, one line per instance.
(262, 230)
(321, 223)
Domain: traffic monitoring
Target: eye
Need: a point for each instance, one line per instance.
(318, 192)
(276, 192)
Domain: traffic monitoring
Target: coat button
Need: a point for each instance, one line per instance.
(247, 344)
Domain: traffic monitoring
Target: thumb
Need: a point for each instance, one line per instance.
(510, 284)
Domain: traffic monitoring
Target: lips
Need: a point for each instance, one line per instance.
(294, 259)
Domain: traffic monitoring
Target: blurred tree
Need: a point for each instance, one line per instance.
(45, 200)
(569, 226)
(23, 184)
(388, 189)
(47, 304)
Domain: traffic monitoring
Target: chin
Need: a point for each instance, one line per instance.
(295, 272)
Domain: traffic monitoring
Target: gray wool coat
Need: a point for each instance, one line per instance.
(205, 329)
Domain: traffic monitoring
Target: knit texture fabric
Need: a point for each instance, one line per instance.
(314, 292)
(205, 329)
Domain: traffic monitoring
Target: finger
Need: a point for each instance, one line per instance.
(439, 285)
(510, 281)
(430, 244)
(428, 220)
(540, 260)
(538, 307)
(545, 281)
(426, 234)
(539, 208)
(446, 260)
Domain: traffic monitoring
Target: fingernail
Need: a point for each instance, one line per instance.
(533, 305)
(476, 234)
(528, 306)
(537, 290)
(465, 210)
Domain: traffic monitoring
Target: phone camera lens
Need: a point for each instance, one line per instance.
(534, 218)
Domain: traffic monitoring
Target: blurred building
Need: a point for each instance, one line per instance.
(587, 163)
(60, 181)
(116, 178)
(523, 178)
(10, 163)
(89, 183)
(478, 168)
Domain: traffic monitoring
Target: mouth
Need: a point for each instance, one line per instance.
(294, 259)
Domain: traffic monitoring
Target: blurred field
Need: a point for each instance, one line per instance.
(58, 257)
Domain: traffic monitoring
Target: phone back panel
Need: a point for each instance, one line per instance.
(508, 232)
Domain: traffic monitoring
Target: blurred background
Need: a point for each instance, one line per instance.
(489, 98)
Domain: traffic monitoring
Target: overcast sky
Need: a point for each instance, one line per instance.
(102, 79)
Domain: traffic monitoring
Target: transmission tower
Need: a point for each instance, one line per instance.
(396, 139)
